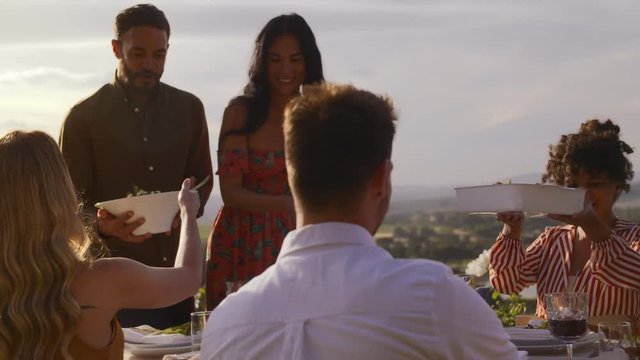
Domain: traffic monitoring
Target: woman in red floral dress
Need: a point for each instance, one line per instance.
(258, 208)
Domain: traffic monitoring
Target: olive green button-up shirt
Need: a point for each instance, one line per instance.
(110, 146)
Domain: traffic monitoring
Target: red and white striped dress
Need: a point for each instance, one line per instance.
(611, 276)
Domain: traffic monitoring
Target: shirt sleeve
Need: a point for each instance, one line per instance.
(199, 162)
(77, 150)
(616, 261)
(511, 267)
(468, 326)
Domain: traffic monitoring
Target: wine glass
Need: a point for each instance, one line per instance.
(615, 339)
(567, 314)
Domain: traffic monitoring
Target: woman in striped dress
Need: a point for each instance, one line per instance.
(594, 252)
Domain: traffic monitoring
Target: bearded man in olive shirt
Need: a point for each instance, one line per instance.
(138, 131)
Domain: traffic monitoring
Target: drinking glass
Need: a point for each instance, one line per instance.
(568, 314)
(198, 322)
(615, 339)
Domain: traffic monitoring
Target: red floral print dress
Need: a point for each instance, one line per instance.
(242, 244)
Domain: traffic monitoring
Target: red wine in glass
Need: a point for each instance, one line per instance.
(567, 314)
(568, 329)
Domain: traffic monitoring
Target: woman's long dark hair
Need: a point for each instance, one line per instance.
(256, 95)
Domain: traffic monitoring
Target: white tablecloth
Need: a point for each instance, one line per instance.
(129, 356)
(579, 354)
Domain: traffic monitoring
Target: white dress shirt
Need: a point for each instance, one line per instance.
(334, 294)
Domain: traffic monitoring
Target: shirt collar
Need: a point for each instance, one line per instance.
(329, 233)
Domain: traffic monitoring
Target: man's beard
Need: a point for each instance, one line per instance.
(131, 76)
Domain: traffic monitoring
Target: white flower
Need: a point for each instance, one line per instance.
(480, 265)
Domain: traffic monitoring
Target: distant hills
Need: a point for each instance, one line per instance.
(632, 198)
(440, 198)
(410, 199)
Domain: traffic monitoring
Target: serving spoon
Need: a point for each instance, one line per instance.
(204, 181)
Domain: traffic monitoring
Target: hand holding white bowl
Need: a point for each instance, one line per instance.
(134, 219)
(189, 201)
(117, 226)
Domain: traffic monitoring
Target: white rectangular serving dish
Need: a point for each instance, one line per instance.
(528, 198)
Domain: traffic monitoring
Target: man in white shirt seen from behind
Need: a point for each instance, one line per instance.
(332, 293)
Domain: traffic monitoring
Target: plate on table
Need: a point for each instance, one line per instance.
(156, 350)
(541, 340)
(144, 341)
(149, 336)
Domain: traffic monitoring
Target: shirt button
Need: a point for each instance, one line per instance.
(150, 168)
(136, 110)
(144, 139)
(164, 258)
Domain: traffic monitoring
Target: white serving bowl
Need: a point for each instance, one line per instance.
(158, 210)
(528, 198)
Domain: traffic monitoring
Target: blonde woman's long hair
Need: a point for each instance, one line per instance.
(43, 245)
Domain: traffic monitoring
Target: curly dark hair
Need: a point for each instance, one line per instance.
(596, 148)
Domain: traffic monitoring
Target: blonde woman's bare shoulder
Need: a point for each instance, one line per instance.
(108, 268)
(95, 284)
(112, 264)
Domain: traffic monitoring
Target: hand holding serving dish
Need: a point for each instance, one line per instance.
(531, 199)
(158, 210)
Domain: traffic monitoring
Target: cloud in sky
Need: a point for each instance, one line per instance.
(46, 75)
(482, 86)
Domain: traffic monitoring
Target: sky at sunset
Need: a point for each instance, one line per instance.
(481, 87)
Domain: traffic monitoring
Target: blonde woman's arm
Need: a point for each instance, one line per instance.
(130, 284)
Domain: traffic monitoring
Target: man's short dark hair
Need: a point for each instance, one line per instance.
(141, 15)
(336, 136)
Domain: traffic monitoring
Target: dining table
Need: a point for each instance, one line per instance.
(578, 354)
(586, 353)
(181, 356)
